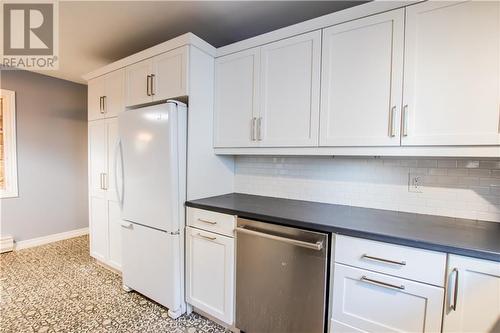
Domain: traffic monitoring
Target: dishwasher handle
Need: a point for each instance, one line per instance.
(318, 246)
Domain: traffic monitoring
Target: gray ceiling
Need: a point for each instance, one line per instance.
(95, 33)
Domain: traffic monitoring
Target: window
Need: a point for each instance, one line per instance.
(8, 160)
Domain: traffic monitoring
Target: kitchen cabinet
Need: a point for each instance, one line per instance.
(106, 95)
(289, 98)
(237, 83)
(269, 96)
(408, 306)
(473, 296)
(105, 239)
(452, 74)
(210, 263)
(407, 281)
(210, 270)
(361, 81)
(158, 78)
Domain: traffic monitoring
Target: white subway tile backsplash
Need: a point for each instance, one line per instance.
(464, 188)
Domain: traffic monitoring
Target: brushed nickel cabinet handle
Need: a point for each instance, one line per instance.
(105, 180)
(252, 129)
(104, 109)
(405, 120)
(391, 122)
(259, 129)
(382, 284)
(101, 104)
(148, 88)
(207, 221)
(453, 305)
(101, 180)
(153, 88)
(207, 237)
(386, 261)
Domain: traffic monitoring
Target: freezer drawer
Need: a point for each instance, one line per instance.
(280, 278)
(151, 264)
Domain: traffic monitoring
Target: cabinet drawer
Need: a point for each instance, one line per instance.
(410, 263)
(366, 301)
(211, 221)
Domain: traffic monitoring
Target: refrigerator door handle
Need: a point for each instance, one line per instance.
(119, 196)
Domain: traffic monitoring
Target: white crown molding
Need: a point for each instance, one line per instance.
(182, 40)
(321, 22)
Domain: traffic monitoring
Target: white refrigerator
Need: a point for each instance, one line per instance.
(151, 188)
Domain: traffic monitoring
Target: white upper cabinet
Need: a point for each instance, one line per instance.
(95, 93)
(114, 97)
(290, 76)
(269, 96)
(139, 82)
(473, 296)
(106, 95)
(170, 74)
(362, 80)
(451, 85)
(236, 94)
(159, 78)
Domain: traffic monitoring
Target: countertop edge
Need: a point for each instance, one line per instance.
(474, 253)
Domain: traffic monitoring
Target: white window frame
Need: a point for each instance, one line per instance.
(10, 189)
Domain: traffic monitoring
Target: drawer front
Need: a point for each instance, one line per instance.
(410, 263)
(223, 224)
(366, 301)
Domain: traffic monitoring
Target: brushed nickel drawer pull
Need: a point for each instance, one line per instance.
(453, 305)
(387, 261)
(381, 284)
(207, 221)
(207, 237)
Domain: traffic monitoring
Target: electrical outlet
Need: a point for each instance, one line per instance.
(414, 183)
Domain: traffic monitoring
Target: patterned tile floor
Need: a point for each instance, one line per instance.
(59, 288)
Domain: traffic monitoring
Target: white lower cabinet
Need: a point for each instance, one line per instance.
(473, 296)
(210, 273)
(365, 301)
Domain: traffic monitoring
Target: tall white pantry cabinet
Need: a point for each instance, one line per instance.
(104, 209)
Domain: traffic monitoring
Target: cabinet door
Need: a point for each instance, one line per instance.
(111, 144)
(137, 83)
(473, 296)
(114, 96)
(290, 76)
(365, 301)
(210, 273)
(97, 151)
(236, 96)
(451, 85)
(95, 93)
(98, 228)
(362, 81)
(114, 234)
(170, 72)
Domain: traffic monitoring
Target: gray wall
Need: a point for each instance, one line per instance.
(52, 156)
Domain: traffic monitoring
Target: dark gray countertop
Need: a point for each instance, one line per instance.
(479, 239)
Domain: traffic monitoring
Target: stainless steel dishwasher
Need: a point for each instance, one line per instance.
(280, 278)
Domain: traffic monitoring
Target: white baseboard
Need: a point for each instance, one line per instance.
(6, 243)
(24, 244)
